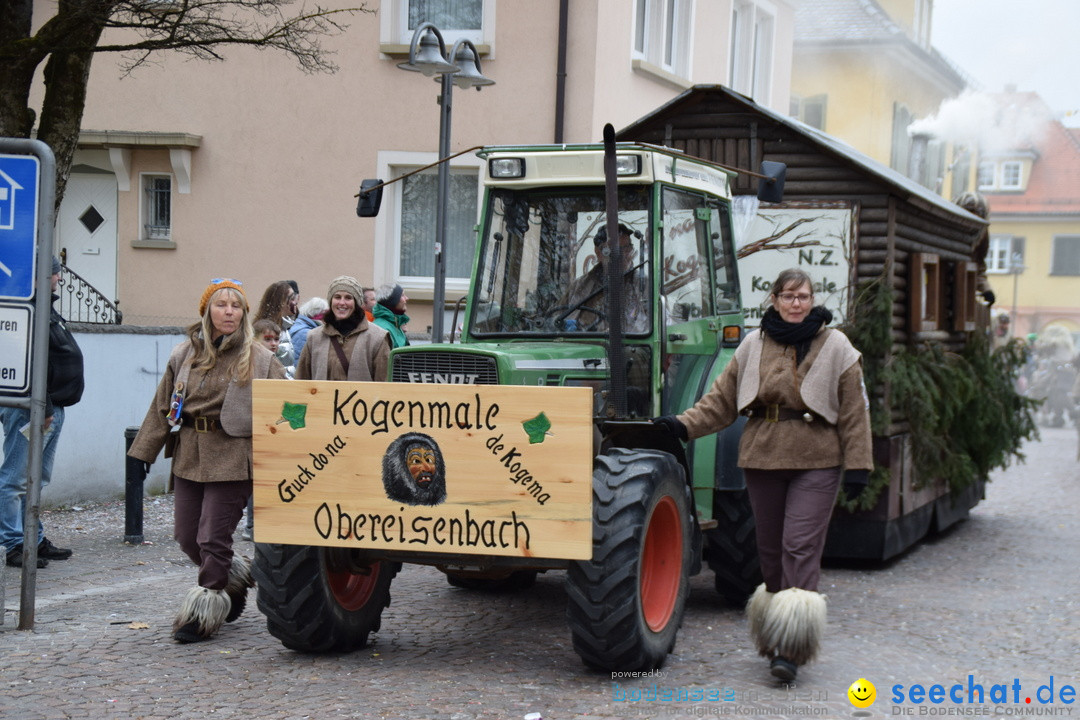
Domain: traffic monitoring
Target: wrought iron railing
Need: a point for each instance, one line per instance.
(82, 302)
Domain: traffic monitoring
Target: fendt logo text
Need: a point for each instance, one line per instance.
(443, 378)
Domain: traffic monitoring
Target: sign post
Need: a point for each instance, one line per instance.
(27, 219)
(16, 320)
(19, 184)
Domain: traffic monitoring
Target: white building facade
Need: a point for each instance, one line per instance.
(247, 168)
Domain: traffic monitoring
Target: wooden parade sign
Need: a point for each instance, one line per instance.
(448, 469)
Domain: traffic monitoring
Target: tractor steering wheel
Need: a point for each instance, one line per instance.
(561, 312)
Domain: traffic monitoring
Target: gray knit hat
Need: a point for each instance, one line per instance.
(344, 283)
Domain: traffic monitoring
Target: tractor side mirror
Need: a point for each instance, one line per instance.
(368, 200)
(771, 187)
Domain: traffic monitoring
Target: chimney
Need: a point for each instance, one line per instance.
(917, 157)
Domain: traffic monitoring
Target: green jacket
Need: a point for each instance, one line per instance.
(392, 323)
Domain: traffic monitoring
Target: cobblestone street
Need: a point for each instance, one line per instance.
(994, 600)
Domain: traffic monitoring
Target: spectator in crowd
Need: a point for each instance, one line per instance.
(268, 333)
(310, 317)
(279, 306)
(64, 388)
(391, 302)
(369, 303)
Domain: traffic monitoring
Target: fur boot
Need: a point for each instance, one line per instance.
(201, 614)
(794, 625)
(237, 586)
(756, 609)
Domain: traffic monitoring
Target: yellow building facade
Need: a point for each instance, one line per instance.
(864, 71)
(1032, 184)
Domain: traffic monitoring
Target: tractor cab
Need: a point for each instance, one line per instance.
(538, 310)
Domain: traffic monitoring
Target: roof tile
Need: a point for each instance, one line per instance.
(1054, 185)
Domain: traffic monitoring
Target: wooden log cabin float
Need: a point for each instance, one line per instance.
(917, 243)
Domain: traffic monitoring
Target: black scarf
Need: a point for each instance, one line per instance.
(798, 335)
(347, 325)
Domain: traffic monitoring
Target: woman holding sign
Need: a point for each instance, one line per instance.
(800, 383)
(328, 599)
(201, 415)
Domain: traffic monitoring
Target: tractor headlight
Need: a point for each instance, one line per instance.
(627, 164)
(506, 167)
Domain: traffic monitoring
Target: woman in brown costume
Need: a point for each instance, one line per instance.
(201, 414)
(801, 384)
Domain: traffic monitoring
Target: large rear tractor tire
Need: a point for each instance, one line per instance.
(626, 604)
(316, 601)
(731, 547)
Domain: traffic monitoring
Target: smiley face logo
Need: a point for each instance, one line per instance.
(862, 693)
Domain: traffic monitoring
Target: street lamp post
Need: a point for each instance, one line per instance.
(427, 55)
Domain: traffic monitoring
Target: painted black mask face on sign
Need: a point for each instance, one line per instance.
(414, 472)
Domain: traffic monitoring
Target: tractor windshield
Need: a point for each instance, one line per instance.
(542, 263)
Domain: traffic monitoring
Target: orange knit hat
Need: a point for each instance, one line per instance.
(218, 284)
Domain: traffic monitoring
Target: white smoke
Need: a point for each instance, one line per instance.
(993, 124)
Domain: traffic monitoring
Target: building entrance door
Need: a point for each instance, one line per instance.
(86, 231)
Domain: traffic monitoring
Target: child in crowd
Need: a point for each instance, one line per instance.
(267, 334)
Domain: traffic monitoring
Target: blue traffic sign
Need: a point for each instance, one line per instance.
(19, 181)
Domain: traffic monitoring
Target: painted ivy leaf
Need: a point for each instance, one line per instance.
(294, 413)
(537, 428)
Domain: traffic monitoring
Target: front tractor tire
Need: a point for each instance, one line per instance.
(626, 604)
(315, 601)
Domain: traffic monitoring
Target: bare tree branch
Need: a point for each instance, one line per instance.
(77, 30)
(773, 241)
(138, 28)
(198, 27)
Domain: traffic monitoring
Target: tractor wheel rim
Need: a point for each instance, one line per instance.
(353, 590)
(661, 564)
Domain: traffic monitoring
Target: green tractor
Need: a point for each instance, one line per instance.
(647, 324)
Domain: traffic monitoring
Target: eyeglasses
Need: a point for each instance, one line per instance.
(788, 298)
(215, 281)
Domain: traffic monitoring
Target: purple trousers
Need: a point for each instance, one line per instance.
(792, 509)
(206, 515)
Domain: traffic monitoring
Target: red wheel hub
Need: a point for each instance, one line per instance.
(353, 590)
(661, 564)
